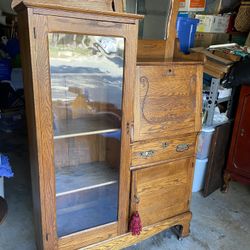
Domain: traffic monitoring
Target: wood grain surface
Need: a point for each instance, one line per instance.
(163, 149)
(167, 100)
(104, 5)
(35, 27)
(161, 191)
(128, 239)
(161, 48)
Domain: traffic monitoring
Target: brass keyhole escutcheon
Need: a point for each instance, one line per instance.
(165, 145)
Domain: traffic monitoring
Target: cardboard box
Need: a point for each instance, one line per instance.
(207, 39)
(192, 5)
(212, 23)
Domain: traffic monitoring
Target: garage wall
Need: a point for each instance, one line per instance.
(5, 6)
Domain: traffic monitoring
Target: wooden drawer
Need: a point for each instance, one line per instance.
(168, 100)
(163, 149)
(162, 191)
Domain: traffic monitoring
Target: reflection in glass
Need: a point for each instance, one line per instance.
(156, 17)
(86, 86)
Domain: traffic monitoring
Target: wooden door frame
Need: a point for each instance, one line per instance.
(41, 22)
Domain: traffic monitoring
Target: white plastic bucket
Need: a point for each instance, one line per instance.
(1, 187)
(204, 142)
(199, 175)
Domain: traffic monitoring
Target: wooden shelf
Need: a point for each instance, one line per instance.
(86, 176)
(87, 196)
(87, 209)
(85, 126)
(225, 99)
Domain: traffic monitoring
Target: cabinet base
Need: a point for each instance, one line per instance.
(180, 223)
(226, 179)
(231, 176)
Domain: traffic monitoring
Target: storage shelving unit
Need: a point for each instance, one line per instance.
(213, 100)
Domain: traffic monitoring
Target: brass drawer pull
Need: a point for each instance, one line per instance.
(165, 145)
(182, 147)
(147, 154)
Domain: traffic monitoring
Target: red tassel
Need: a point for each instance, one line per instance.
(135, 224)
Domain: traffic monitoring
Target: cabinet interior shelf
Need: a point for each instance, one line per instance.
(85, 126)
(96, 132)
(84, 177)
(225, 99)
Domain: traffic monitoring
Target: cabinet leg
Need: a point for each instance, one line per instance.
(227, 179)
(183, 230)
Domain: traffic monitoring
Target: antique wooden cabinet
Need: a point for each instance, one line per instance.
(107, 137)
(238, 162)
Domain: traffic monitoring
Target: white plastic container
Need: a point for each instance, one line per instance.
(1, 183)
(1, 187)
(204, 142)
(213, 23)
(199, 175)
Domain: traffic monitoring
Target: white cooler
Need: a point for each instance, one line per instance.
(199, 175)
(204, 142)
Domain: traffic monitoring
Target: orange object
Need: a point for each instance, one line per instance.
(197, 4)
(192, 5)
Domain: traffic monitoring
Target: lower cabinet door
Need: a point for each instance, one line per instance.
(162, 191)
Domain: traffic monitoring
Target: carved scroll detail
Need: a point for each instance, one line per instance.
(163, 119)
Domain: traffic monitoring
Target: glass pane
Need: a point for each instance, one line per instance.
(156, 17)
(86, 83)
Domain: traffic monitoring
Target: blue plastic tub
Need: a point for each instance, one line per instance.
(5, 69)
(186, 29)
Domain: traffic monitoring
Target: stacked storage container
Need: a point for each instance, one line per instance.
(204, 142)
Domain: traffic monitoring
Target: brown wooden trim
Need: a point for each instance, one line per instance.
(127, 240)
(161, 48)
(69, 7)
(119, 5)
(151, 49)
(104, 5)
(168, 62)
(141, 142)
(190, 178)
(170, 42)
(48, 24)
(26, 48)
(127, 120)
(41, 82)
(88, 27)
(83, 15)
(159, 162)
(198, 111)
(133, 204)
(87, 237)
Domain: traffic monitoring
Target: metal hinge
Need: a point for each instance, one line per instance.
(34, 32)
(130, 131)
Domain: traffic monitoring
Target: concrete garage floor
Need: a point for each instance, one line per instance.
(220, 221)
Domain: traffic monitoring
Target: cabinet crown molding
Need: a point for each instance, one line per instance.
(103, 7)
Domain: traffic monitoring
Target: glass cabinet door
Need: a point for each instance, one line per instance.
(86, 86)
